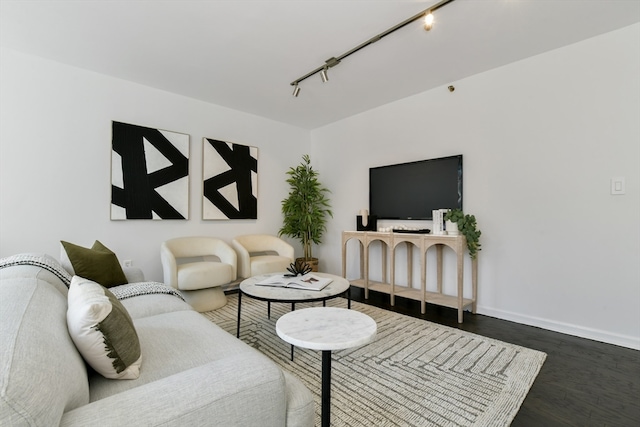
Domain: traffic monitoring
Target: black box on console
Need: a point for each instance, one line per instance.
(372, 223)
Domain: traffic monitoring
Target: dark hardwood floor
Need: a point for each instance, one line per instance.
(582, 382)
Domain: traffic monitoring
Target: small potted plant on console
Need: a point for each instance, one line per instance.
(467, 225)
(452, 217)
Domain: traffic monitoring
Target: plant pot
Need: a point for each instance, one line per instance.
(311, 262)
(452, 228)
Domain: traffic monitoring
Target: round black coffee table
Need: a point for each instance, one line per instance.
(338, 286)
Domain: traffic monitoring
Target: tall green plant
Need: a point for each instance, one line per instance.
(305, 210)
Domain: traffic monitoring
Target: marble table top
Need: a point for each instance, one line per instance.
(273, 293)
(326, 328)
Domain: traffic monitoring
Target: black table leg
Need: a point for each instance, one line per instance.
(293, 308)
(326, 388)
(268, 309)
(239, 303)
(349, 297)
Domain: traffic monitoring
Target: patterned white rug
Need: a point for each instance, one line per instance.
(416, 373)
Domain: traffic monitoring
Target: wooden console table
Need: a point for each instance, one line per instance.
(422, 242)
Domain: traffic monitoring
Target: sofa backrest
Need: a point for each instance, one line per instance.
(42, 375)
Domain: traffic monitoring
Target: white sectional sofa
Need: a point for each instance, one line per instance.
(192, 373)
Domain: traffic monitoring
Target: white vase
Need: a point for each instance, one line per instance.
(452, 228)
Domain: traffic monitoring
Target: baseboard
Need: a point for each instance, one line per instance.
(565, 328)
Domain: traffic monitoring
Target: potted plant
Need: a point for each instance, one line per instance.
(468, 226)
(452, 217)
(306, 208)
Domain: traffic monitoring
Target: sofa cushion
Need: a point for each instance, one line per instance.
(102, 330)
(42, 375)
(152, 305)
(238, 391)
(173, 343)
(301, 409)
(99, 263)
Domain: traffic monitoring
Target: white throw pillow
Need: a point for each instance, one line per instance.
(102, 330)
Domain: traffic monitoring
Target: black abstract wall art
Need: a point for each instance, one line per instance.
(149, 173)
(230, 180)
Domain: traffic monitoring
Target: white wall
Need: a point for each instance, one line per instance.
(541, 139)
(55, 153)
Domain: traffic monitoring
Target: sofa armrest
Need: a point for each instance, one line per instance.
(133, 274)
(228, 392)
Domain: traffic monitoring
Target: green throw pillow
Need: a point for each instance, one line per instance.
(99, 264)
(102, 330)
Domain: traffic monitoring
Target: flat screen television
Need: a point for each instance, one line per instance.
(411, 191)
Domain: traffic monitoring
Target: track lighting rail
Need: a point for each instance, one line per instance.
(332, 62)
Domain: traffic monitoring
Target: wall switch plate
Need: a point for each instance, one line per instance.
(617, 185)
(127, 263)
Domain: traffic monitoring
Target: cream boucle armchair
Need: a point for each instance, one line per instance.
(198, 267)
(261, 254)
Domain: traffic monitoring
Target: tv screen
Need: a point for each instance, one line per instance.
(412, 190)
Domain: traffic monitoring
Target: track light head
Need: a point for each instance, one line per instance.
(428, 21)
(324, 76)
(296, 90)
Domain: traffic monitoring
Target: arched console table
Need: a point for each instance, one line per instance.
(422, 242)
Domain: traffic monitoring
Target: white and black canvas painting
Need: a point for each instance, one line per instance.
(149, 173)
(230, 180)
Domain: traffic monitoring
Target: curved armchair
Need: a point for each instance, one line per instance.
(261, 253)
(198, 266)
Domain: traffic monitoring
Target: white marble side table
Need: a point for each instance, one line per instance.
(326, 329)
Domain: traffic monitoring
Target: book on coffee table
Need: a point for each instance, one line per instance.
(308, 281)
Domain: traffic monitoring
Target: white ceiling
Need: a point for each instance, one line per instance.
(244, 54)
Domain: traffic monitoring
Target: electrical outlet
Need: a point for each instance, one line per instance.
(617, 185)
(127, 263)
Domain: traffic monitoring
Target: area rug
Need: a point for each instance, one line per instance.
(415, 373)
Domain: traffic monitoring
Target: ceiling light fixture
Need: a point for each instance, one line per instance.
(323, 75)
(428, 21)
(427, 14)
